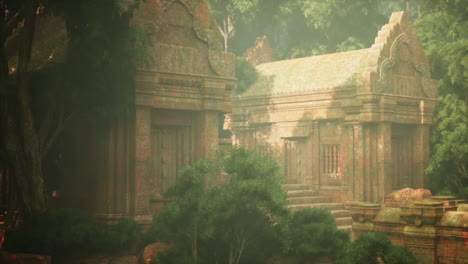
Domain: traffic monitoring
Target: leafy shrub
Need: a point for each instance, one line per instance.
(246, 74)
(313, 234)
(69, 232)
(449, 142)
(232, 223)
(372, 246)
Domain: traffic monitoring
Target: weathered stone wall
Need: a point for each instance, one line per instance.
(435, 231)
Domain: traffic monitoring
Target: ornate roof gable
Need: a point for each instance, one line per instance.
(186, 39)
(396, 63)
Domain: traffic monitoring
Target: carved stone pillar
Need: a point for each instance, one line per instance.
(207, 134)
(421, 156)
(315, 155)
(142, 166)
(358, 157)
(347, 158)
(384, 160)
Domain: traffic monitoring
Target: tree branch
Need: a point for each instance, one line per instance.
(12, 23)
(60, 127)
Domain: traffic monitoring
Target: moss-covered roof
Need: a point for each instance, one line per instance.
(317, 73)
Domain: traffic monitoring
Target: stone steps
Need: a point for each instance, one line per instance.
(302, 196)
(345, 228)
(344, 221)
(295, 187)
(307, 199)
(329, 206)
(302, 193)
(340, 213)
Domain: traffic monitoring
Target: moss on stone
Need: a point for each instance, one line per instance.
(389, 214)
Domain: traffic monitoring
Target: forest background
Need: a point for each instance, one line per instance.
(95, 75)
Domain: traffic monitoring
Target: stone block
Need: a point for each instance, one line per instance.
(406, 197)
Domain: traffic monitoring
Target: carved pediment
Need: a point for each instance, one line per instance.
(396, 62)
(186, 39)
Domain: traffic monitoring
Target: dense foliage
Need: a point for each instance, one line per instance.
(69, 232)
(90, 72)
(309, 230)
(442, 27)
(246, 74)
(449, 160)
(375, 248)
(231, 223)
(243, 221)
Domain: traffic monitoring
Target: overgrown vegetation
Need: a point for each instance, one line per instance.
(246, 74)
(73, 233)
(89, 72)
(375, 248)
(448, 166)
(309, 230)
(243, 221)
(231, 223)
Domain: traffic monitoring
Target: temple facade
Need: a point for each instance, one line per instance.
(352, 125)
(180, 95)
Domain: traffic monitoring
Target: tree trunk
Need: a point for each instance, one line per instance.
(17, 121)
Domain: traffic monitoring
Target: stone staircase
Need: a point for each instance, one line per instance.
(301, 196)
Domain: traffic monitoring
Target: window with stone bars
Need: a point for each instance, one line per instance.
(330, 159)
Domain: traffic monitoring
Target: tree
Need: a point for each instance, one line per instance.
(443, 31)
(312, 234)
(96, 75)
(442, 27)
(231, 223)
(375, 248)
(228, 12)
(20, 138)
(315, 27)
(449, 159)
(181, 220)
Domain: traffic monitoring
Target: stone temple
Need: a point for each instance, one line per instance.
(126, 164)
(352, 125)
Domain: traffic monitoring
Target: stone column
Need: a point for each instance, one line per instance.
(420, 156)
(347, 159)
(358, 158)
(315, 155)
(384, 160)
(207, 134)
(142, 164)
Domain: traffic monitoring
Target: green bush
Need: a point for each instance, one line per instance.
(232, 223)
(246, 74)
(449, 147)
(313, 235)
(370, 247)
(70, 232)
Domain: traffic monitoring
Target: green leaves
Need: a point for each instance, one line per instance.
(448, 165)
(443, 32)
(246, 74)
(226, 223)
(442, 28)
(313, 234)
(70, 232)
(375, 248)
